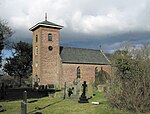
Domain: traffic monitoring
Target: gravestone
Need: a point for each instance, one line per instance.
(77, 87)
(65, 90)
(101, 88)
(24, 103)
(83, 98)
(75, 90)
(3, 91)
(90, 90)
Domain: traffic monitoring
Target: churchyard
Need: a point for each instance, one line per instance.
(58, 103)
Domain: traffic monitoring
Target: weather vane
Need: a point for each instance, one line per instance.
(45, 16)
(100, 46)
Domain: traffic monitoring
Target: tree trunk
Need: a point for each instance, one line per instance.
(20, 81)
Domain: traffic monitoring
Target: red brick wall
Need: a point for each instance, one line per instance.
(48, 69)
(36, 70)
(50, 59)
(87, 72)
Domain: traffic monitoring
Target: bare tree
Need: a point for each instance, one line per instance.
(130, 89)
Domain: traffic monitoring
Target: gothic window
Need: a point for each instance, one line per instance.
(36, 50)
(49, 37)
(36, 38)
(97, 77)
(96, 71)
(36, 61)
(78, 72)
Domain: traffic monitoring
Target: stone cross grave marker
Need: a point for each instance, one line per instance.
(83, 98)
(84, 88)
(24, 103)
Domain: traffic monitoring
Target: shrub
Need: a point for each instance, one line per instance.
(130, 89)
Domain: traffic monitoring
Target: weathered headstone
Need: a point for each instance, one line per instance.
(75, 90)
(24, 103)
(90, 90)
(83, 98)
(101, 88)
(3, 91)
(78, 86)
(65, 90)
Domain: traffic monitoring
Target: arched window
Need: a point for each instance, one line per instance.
(36, 50)
(96, 71)
(36, 61)
(36, 38)
(78, 72)
(49, 37)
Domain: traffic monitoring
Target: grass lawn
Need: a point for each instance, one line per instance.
(49, 105)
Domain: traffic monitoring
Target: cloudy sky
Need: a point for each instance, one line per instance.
(87, 23)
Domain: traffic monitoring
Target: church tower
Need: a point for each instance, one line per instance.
(46, 58)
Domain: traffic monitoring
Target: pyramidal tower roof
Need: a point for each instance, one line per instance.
(46, 24)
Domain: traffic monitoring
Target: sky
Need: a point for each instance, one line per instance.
(87, 23)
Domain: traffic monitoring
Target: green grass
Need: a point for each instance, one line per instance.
(49, 105)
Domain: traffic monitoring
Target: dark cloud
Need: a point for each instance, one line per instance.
(109, 42)
(86, 23)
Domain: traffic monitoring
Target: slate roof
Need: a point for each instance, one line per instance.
(46, 24)
(83, 56)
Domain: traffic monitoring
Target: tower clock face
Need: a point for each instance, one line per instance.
(50, 48)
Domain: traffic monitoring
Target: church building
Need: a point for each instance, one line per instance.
(55, 64)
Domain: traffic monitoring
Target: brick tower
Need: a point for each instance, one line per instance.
(46, 59)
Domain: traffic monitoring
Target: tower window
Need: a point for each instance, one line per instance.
(36, 50)
(36, 62)
(78, 72)
(36, 38)
(49, 37)
(96, 71)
